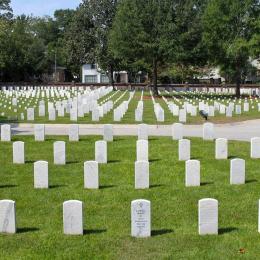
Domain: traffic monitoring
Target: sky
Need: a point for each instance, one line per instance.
(41, 7)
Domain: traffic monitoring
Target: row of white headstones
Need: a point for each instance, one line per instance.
(73, 221)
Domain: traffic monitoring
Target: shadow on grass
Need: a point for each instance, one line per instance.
(29, 161)
(160, 232)
(250, 181)
(232, 157)
(206, 183)
(195, 158)
(73, 162)
(102, 187)
(154, 160)
(153, 139)
(94, 231)
(156, 185)
(57, 186)
(113, 161)
(27, 229)
(222, 231)
(8, 186)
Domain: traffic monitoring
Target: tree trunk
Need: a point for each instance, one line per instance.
(111, 76)
(238, 82)
(155, 87)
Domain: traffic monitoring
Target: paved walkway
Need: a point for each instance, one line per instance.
(232, 131)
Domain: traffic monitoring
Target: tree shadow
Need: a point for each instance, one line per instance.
(102, 187)
(160, 232)
(57, 186)
(250, 181)
(206, 183)
(113, 161)
(94, 231)
(222, 231)
(156, 185)
(27, 229)
(8, 186)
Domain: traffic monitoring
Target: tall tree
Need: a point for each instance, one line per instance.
(156, 32)
(229, 32)
(5, 9)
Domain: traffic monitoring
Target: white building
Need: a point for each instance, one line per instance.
(91, 73)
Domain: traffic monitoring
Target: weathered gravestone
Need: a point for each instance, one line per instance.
(7, 216)
(41, 179)
(221, 148)
(237, 171)
(141, 174)
(184, 150)
(73, 217)
(74, 133)
(59, 152)
(101, 151)
(91, 180)
(192, 173)
(208, 217)
(30, 114)
(140, 218)
(18, 152)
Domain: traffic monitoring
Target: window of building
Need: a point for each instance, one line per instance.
(93, 66)
(91, 79)
(104, 78)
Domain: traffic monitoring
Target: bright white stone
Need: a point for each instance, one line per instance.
(141, 174)
(30, 114)
(140, 218)
(6, 133)
(143, 132)
(59, 153)
(184, 150)
(182, 116)
(255, 147)
(101, 151)
(91, 180)
(208, 131)
(41, 179)
(237, 171)
(192, 173)
(74, 132)
(177, 131)
(208, 217)
(18, 152)
(108, 133)
(142, 150)
(73, 217)
(39, 132)
(7, 217)
(221, 148)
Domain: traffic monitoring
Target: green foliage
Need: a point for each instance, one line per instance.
(230, 32)
(5, 9)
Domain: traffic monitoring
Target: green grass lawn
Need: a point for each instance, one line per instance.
(129, 118)
(107, 210)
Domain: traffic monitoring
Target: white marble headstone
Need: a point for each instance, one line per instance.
(101, 151)
(18, 152)
(39, 132)
(74, 132)
(255, 147)
(208, 131)
(177, 131)
(5, 133)
(140, 218)
(41, 179)
(142, 150)
(208, 217)
(192, 173)
(221, 148)
(184, 150)
(73, 217)
(142, 132)
(7, 216)
(59, 152)
(141, 174)
(108, 132)
(91, 180)
(237, 171)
